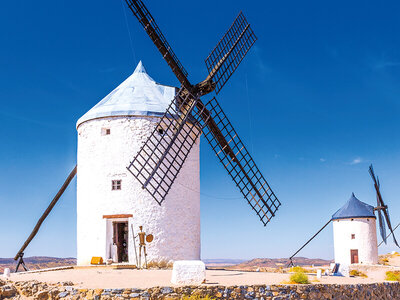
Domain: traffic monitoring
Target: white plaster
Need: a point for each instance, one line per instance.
(188, 272)
(365, 241)
(103, 158)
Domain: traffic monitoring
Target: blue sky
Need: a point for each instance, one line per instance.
(316, 101)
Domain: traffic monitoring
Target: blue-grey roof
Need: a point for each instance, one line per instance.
(354, 208)
(138, 95)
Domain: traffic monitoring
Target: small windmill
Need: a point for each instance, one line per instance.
(355, 210)
(382, 207)
(160, 159)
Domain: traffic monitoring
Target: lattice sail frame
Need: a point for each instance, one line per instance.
(158, 162)
(150, 26)
(230, 51)
(240, 165)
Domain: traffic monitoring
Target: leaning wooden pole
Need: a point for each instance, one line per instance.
(291, 258)
(35, 230)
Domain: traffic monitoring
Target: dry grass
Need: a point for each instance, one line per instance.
(357, 273)
(393, 276)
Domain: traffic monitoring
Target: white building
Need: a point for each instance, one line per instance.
(111, 203)
(354, 231)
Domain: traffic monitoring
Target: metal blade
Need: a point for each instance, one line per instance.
(382, 227)
(150, 26)
(159, 161)
(230, 51)
(231, 152)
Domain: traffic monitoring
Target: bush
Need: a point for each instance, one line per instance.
(393, 275)
(299, 278)
(357, 273)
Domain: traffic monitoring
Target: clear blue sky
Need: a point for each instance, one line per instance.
(316, 101)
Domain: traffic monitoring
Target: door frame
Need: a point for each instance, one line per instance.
(354, 257)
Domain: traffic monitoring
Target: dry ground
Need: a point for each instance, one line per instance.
(120, 278)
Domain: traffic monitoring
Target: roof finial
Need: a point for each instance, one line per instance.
(140, 68)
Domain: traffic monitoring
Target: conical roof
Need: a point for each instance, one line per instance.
(354, 208)
(138, 95)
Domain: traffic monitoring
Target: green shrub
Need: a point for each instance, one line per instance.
(393, 275)
(299, 278)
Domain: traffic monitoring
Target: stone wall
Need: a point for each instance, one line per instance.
(65, 290)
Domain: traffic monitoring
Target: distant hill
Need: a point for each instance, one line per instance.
(279, 262)
(37, 262)
(222, 262)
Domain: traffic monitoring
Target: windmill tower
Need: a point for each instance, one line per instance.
(354, 232)
(111, 204)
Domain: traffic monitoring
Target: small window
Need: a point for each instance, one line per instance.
(160, 131)
(353, 236)
(115, 185)
(105, 131)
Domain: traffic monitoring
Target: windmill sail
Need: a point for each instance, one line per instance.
(158, 162)
(230, 51)
(150, 26)
(382, 207)
(235, 158)
(382, 227)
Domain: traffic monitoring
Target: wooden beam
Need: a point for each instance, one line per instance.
(120, 216)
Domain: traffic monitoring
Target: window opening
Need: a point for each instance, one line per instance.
(105, 131)
(116, 185)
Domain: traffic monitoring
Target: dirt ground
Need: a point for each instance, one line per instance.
(124, 278)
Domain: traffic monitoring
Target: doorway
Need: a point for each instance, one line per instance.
(120, 239)
(354, 256)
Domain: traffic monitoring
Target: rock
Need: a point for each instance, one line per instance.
(62, 294)
(7, 291)
(117, 291)
(167, 290)
(134, 295)
(42, 295)
(188, 272)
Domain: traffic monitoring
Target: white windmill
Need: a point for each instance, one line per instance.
(138, 156)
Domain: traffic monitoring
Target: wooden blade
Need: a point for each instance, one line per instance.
(46, 213)
(159, 161)
(150, 26)
(235, 158)
(389, 224)
(230, 51)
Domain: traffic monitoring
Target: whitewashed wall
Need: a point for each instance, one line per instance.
(365, 240)
(103, 158)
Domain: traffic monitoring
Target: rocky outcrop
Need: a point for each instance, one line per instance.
(65, 290)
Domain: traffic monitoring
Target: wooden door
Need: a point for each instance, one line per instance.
(354, 256)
